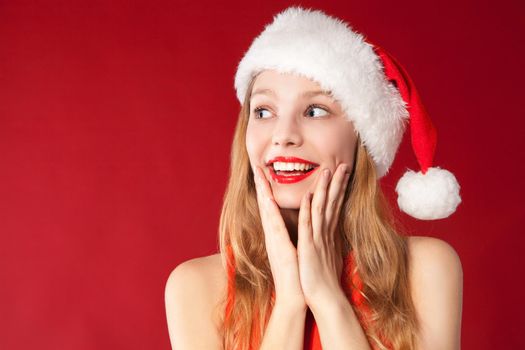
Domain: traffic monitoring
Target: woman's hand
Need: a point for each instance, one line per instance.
(318, 245)
(282, 254)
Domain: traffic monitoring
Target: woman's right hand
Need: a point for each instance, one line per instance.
(282, 254)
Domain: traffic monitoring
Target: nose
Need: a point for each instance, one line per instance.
(287, 131)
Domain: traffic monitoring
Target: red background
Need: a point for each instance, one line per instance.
(116, 121)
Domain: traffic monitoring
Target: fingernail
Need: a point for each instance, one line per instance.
(345, 169)
(326, 172)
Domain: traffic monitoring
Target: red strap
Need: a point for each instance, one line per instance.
(231, 281)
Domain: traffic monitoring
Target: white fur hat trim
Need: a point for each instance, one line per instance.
(311, 43)
(429, 196)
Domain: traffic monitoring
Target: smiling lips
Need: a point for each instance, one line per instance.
(291, 175)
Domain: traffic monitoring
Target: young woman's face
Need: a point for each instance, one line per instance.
(289, 119)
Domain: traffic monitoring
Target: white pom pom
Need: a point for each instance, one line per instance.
(433, 195)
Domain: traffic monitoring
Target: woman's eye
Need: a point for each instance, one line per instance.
(312, 108)
(258, 111)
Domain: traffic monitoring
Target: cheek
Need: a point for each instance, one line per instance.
(340, 147)
(254, 145)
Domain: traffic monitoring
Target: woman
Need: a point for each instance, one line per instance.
(309, 254)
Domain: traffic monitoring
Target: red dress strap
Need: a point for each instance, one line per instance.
(231, 281)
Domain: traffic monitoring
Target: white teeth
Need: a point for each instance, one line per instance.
(285, 166)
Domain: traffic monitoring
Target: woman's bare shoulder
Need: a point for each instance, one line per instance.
(209, 266)
(429, 256)
(206, 271)
(193, 294)
(420, 247)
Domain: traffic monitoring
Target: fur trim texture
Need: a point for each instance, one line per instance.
(310, 43)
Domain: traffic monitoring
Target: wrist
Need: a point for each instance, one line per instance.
(338, 304)
(291, 305)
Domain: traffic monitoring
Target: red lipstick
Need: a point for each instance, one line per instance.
(289, 179)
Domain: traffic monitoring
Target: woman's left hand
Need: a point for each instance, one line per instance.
(318, 246)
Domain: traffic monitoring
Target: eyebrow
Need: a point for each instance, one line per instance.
(304, 94)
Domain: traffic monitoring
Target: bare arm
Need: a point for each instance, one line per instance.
(190, 307)
(436, 279)
(285, 328)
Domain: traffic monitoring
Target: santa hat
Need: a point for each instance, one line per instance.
(373, 89)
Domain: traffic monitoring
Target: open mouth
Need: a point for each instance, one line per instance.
(292, 169)
(289, 170)
(290, 176)
(292, 172)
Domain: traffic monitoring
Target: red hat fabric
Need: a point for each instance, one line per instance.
(422, 131)
(424, 196)
(374, 90)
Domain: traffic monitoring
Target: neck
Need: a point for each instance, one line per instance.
(291, 218)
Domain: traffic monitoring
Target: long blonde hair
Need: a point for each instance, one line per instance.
(367, 228)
